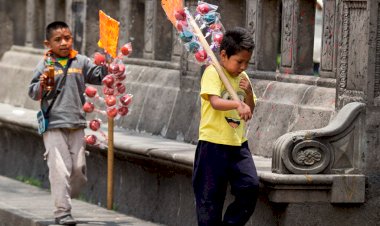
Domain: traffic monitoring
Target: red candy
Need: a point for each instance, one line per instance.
(110, 100)
(94, 124)
(180, 14)
(122, 110)
(180, 24)
(203, 8)
(88, 107)
(126, 99)
(91, 139)
(217, 38)
(201, 56)
(120, 87)
(112, 112)
(108, 81)
(99, 59)
(91, 91)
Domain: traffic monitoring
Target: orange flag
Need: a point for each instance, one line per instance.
(109, 33)
(170, 6)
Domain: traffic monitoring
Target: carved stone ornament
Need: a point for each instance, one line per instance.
(308, 156)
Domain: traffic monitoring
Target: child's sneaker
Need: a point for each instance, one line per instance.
(65, 220)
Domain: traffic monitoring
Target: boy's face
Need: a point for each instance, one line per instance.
(236, 63)
(60, 42)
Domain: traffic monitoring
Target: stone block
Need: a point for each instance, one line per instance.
(348, 189)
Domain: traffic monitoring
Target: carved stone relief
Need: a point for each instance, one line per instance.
(377, 62)
(353, 52)
(251, 20)
(287, 28)
(149, 18)
(328, 35)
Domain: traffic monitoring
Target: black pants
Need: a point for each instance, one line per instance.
(215, 166)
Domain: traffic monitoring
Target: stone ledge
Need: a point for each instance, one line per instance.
(331, 188)
(281, 188)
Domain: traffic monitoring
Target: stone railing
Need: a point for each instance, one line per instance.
(325, 163)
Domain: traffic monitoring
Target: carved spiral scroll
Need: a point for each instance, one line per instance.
(308, 157)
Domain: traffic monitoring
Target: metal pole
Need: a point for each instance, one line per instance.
(110, 158)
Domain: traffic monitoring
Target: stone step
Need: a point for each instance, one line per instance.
(26, 205)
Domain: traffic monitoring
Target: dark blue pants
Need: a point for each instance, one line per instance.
(215, 166)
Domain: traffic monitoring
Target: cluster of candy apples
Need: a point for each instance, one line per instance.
(207, 19)
(115, 99)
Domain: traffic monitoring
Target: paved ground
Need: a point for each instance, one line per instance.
(25, 205)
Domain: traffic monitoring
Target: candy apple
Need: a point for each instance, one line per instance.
(99, 59)
(108, 81)
(112, 112)
(88, 107)
(122, 110)
(110, 100)
(91, 139)
(91, 91)
(126, 99)
(94, 124)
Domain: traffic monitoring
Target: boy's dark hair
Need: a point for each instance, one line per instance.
(54, 26)
(235, 40)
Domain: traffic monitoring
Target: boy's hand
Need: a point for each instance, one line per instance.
(244, 111)
(245, 85)
(43, 79)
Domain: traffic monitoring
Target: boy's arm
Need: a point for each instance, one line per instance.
(35, 91)
(93, 73)
(245, 84)
(221, 104)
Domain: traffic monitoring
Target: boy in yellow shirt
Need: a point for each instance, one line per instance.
(222, 155)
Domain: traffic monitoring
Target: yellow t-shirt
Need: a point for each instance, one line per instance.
(221, 127)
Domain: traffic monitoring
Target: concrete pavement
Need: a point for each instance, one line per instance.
(26, 205)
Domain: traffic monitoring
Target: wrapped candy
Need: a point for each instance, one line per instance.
(126, 49)
(95, 124)
(206, 18)
(204, 8)
(201, 56)
(186, 36)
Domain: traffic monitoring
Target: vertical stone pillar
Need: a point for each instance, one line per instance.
(35, 24)
(69, 14)
(329, 40)
(251, 25)
(30, 22)
(352, 64)
(78, 10)
(297, 36)
(125, 20)
(158, 40)
(177, 49)
(358, 72)
(50, 13)
(267, 32)
(149, 30)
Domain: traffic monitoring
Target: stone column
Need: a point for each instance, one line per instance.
(352, 64)
(78, 10)
(125, 21)
(149, 31)
(30, 22)
(263, 21)
(358, 72)
(297, 36)
(329, 40)
(50, 12)
(177, 49)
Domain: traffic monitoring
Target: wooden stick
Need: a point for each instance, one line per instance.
(209, 52)
(110, 164)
